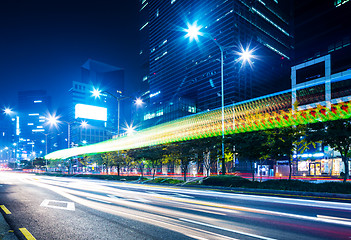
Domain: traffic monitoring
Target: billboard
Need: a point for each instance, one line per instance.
(90, 112)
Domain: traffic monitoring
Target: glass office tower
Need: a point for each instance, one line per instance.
(184, 76)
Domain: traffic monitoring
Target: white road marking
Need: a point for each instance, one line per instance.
(49, 203)
(99, 200)
(227, 229)
(182, 195)
(334, 218)
(196, 237)
(136, 199)
(205, 211)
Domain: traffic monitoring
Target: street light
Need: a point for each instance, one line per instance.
(97, 93)
(54, 120)
(139, 102)
(8, 111)
(193, 32)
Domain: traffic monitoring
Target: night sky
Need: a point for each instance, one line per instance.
(44, 43)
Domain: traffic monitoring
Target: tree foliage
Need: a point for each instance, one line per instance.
(336, 134)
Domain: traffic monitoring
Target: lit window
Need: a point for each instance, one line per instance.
(191, 109)
(143, 6)
(271, 22)
(38, 101)
(338, 3)
(33, 114)
(143, 26)
(157, 13)
(159, 113)
(30, 124)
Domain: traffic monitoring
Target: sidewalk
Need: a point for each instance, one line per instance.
(4, 230)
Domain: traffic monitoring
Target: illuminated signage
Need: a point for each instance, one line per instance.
(90, 112)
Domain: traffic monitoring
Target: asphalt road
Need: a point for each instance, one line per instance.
(41, 207)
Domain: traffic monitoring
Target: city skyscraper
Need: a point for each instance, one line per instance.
(33, 109)
(184, 76)
(98, 114)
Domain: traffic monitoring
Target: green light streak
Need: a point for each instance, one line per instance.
(258, 115)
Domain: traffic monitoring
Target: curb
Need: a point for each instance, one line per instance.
(5, 231)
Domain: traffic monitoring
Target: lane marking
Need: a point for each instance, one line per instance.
(205, 211)
(334, 218)
(27, 234)
(227, 229)
(51, 204)
(260, 211)
(182, 195)
(99, 200)
(136, 199)
(231, 191)
(196, 237)
(5, 209)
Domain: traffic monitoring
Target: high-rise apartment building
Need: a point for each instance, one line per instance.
(185, 77)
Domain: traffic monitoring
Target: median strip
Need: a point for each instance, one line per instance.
(27, 234)
(5, 209)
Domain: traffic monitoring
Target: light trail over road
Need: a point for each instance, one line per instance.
(73, 208)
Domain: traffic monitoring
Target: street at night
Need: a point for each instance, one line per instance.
(72, 208)
(175, 119)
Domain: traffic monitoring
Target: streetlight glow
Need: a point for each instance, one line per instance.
(8, 111)
(193, 31)
(130, 129)
(53, 120)
(246, 55)
(84, 124)
(96, 93)
(139, 102)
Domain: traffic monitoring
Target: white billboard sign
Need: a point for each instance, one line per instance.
(90, 112)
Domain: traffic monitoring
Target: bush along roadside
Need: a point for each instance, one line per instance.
(287, 185)
(230, 181)
(96, 176)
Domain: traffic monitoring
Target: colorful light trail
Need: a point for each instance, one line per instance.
(259, 114)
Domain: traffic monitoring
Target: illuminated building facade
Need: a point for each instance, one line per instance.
(322, 71)
(100, 113)
(185, 77)
(33, 109)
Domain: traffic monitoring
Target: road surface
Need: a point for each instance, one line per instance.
(43, 207)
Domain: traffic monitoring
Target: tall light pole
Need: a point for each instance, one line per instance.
(97, 93)
(46, 149)
(53, 120)
(193, 32)
(8, 111)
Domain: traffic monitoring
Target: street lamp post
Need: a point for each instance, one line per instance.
(53, 120)
(46, 149)
(119, 99)
(193, 32)
(97, 93)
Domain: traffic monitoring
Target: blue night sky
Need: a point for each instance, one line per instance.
(44, 43)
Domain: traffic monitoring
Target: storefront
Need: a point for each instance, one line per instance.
(320, 167)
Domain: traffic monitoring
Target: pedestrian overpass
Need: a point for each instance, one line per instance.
(322, 97)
